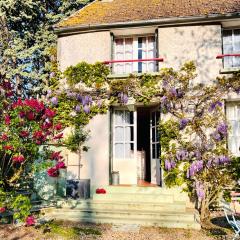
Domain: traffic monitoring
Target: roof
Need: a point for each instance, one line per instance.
(116, 11)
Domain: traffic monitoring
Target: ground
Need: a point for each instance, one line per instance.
(74, 231)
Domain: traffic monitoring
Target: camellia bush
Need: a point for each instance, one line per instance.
(193, 127)
(28, 129)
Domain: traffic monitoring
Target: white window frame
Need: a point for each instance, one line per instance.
(236, 106)
(124, 142)
(233, 47)
(135, 53)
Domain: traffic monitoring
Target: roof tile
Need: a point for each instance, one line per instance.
(100, 12)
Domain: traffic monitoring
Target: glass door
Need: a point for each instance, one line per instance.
(125, 145)
(156, 172)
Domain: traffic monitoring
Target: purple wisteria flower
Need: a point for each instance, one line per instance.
(194, 168)
(222, 128)
(165, 105)
(183, 123)
(123, 98)
(86, 100)
(86, 109)
(173, 92)
(215, 135)
(71, 94)
(78, 108)
(182, 155)
(180, 93)
(79, 98)
(214, 105)
(169, 164)
(54, 101)
(200, 190)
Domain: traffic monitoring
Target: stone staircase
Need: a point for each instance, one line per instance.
(146, 206)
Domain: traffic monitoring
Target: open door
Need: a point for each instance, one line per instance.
(156, 172)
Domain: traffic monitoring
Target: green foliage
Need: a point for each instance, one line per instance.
(76, 139)
(21, 206)
(92, 75)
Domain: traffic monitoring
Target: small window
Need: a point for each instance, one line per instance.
(231, 45)
(135, 48)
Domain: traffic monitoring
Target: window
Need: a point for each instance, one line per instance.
(123, 135)
(233, 117)
(231, 45)
(134, 48)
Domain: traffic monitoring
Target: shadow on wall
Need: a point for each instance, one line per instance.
(200, 44)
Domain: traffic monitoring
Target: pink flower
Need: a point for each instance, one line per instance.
(60, 165)
(34, 104)
(49, 113)
(58, 126)
(24, 134)
(53, 172)
(30, 116)
(30, 221)
(2, 209)
(4, 137)
(18, 159)
(55, 156)
(7, 120)
(59, 136)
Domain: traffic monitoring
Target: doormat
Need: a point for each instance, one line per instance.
(126, 228)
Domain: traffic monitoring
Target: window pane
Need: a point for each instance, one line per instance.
(128, 56)
(129, 150)
(151, 42)
(153, 135)
(119, 150)
(153, 118)
(236, 36)
(158, 150)
(150, 54)
(128, 44)
(230, 112)
(144, 67)
(233, 145)
(151, 66)
(119, 134)
(119, 117)
(119, 45)
(128, 67)
(129, 134)
(128, 117)
(227, 36)
(153, 151)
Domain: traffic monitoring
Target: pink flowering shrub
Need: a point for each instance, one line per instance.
(28, 129)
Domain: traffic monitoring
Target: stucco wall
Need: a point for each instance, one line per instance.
(198, 43)
(89, 47)
(95, 162)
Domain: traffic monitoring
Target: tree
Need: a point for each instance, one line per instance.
(28, 41)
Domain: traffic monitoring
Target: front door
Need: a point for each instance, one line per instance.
(156, 175)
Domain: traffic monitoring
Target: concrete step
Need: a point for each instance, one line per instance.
(114, 205)
(134, 197)
(171, 220)
(161, 216)
(175, 192)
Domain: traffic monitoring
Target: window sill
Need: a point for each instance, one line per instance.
(112, 76)
(229, 70)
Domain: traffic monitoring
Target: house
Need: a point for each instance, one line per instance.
(139, 37)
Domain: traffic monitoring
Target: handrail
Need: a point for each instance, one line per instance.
(134, 60)
(221, 56)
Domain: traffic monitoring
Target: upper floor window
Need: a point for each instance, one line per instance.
(134, 48)
(231, 45)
